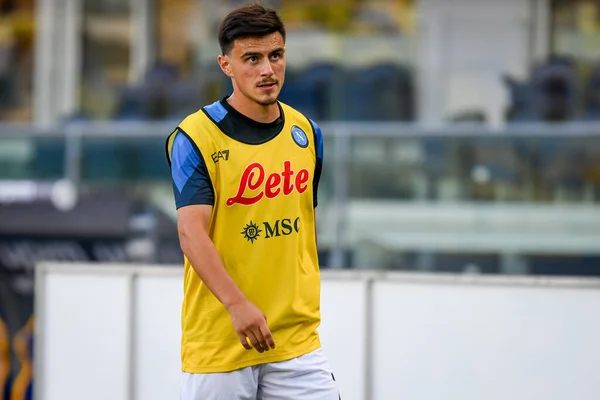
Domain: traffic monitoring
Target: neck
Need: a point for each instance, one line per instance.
(253, 110)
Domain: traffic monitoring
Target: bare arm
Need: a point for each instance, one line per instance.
(247, 319)
(199, 249)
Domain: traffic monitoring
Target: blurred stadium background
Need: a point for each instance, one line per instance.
(461, 136)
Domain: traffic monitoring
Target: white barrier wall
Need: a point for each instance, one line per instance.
(112, 332)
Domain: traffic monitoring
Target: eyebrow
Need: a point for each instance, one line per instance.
(254, 53)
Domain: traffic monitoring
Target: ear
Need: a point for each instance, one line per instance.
(225, 65)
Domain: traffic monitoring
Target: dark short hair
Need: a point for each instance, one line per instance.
(251, 20)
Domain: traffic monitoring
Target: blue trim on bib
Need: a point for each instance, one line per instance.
(216, 111)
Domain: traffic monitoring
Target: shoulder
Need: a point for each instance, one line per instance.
(181, 143)
(215, 111)
(292, 112)
(205, 116)
(182, 148)
(318, 135)
(316, 128)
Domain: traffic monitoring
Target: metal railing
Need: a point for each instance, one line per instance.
(339, 135)
(372, 165)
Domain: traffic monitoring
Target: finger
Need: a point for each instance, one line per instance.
(254, 341)
(244, 341)
(267, 335)
(261, 339)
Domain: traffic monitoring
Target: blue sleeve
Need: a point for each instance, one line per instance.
(319, 164)
(191, 182)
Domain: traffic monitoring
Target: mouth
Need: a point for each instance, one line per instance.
(267, 85)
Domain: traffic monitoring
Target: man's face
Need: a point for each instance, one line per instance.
(257, 67)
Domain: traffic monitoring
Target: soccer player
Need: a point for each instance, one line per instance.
(245, 173)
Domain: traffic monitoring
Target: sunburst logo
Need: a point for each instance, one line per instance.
(251, 232)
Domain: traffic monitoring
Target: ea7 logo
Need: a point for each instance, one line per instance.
(220, 155)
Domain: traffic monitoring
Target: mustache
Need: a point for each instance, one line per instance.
(268, 82)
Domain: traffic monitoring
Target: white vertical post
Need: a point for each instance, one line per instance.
(71, 60)
(143, 38)
(431, 87)
(44, 69)
(57, 70)
(541, 18)
(341, 180)
(132, 337)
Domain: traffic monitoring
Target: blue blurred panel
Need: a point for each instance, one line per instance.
(183, 99)
(289, 92)
(382, 92)
(124, 160)
(555, 94)
(592, 96)
(314, 92)
(163, 72)
(437, 156)
(49, 159)
(519, 108)
(151, 160)
(564, 265)
(102, 160)
(131, 103)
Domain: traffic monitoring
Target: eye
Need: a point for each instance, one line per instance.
(253, 59)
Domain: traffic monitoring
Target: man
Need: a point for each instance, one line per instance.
(245, 175)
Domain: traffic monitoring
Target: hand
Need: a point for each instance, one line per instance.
(249, 322)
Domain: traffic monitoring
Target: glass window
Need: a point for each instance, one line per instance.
(347, 59)
(17, 38)
(181, 24)
(106, 56)
(176, 31)
(350, 16)
(576, 28)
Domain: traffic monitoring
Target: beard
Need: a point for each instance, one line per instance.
(268, 102)
(263, 99)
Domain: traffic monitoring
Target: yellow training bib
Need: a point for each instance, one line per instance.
(263, 226)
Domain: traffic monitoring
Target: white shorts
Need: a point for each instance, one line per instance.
(308, 377)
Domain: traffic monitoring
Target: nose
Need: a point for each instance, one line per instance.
(267, 68)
